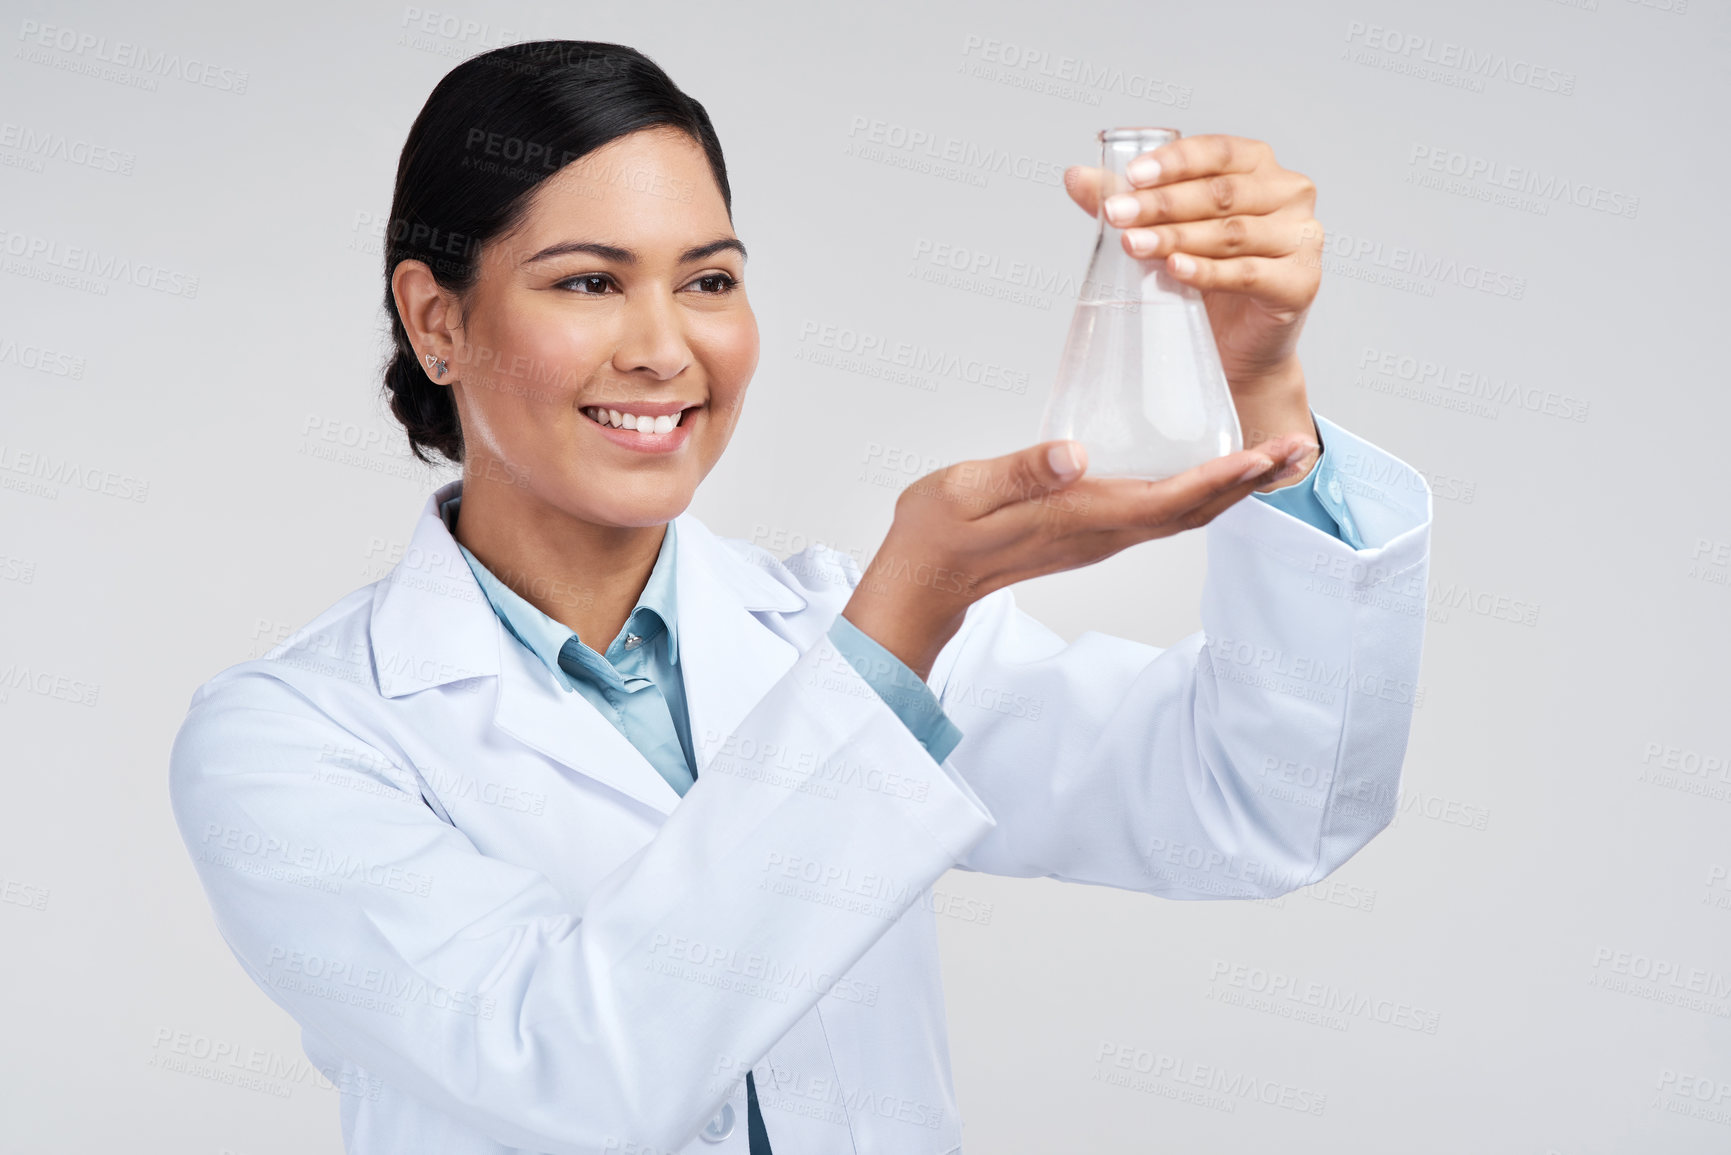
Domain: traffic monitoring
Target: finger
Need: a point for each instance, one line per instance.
(1288, 453)
(1185, 159)
(1190, 157)
(1120, 503)
(1194, 518)
(1082, 182)
(981, 487)
(1284, 283)
(1278, 234)
(1208, 197)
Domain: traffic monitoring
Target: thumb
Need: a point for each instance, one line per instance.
(1027, 473)
(1065, 461)
(1048, 465)
(1083, 185)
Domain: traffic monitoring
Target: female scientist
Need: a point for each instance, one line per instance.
(586, 830)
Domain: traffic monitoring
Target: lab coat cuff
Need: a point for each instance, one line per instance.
(1385, 501)
(1316, 500)
(942, 802)
(899, 687)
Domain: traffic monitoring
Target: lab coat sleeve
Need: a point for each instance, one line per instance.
(1246, 760)
(472, 983)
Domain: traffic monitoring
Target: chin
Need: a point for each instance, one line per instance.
(639, 511)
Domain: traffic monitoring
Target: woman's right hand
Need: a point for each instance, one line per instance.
(976, 526)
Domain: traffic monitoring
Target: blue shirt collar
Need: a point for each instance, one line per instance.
(547, 638)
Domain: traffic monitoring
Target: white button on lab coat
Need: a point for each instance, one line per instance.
(501, 930)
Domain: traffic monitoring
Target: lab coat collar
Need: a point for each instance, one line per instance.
(432, 625)
(547, 637)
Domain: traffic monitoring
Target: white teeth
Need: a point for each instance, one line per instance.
(619, 420)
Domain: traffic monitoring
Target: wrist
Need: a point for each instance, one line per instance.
(1275, 403)
(1279, 382)
(913, 643)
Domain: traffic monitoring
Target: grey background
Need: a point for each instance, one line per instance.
(224, 469)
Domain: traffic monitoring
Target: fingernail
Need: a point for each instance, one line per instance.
(1261, 466)
(1144, 170)
(1121, 209)
(1064, 460)
(1143, 242)
(1181, 264)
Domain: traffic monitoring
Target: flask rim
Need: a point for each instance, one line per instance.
(1124, 131)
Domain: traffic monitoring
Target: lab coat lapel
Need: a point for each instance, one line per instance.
(536, 710)
(432, 625)
(728, 656)
(432, 608)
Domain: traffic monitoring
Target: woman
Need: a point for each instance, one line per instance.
(586, 830)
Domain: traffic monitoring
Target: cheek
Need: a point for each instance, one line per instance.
(537, 355)
(524, 371)
(731, 352)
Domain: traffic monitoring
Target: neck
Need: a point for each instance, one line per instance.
(583, 575)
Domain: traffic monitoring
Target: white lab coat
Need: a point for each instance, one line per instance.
(501, 930)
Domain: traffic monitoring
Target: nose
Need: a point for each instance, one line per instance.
(653, 340)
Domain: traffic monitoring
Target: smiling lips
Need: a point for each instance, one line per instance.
(651, 426)
(643, 418)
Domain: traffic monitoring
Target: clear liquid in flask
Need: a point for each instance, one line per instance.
(1140, 384)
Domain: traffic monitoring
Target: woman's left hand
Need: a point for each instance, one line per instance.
(1234, 224)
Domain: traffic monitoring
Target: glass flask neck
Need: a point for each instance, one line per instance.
(1113, 275)
(1120, 146)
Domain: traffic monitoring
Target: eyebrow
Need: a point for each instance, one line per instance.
(621, 255)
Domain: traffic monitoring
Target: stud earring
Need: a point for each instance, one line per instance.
(440, 369)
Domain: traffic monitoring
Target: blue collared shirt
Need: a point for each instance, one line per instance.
(636, 684)
(1319, 500)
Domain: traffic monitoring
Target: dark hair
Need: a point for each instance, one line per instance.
(495, 127)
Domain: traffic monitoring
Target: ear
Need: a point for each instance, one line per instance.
(430, 316)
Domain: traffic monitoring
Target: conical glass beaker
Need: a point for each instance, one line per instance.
(1140, 384)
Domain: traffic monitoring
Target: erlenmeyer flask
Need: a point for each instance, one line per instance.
(1140, 385)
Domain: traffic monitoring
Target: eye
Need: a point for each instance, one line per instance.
(720, 282)
(589, 279)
